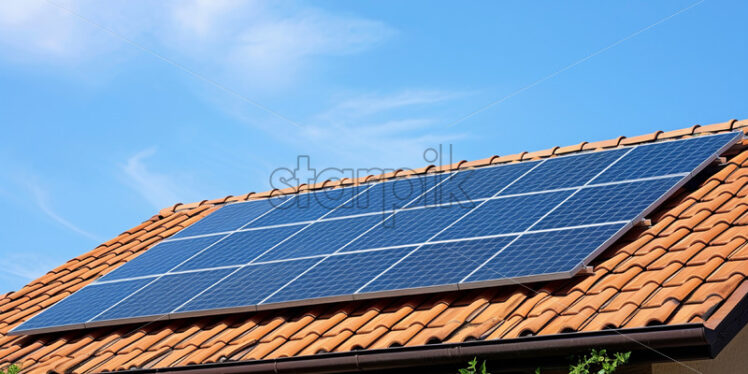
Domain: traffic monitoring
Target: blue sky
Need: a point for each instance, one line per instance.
(167, 102)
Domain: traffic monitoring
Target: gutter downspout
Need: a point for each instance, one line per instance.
(691, 339)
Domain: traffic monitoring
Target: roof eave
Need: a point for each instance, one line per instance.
(691, 341)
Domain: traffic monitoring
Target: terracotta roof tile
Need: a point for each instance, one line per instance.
(681, 269)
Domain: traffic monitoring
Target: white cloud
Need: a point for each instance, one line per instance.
(27, 266)
(158, 189)
(266, 44)
(41, 198)
(385, 130)
(270, 45)
(36, 28)
(367, 105)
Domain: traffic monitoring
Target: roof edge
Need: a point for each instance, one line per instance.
(679, 341)
(729, 125)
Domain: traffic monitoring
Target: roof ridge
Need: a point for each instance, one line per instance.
(463, 164)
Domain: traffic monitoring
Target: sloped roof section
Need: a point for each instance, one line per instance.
(688, 266)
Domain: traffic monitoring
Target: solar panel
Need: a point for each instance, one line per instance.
(239, 248)
(501, 224)
(232, 217)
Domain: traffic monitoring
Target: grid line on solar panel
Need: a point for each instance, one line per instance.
(535, 231)
(407, 227)
(238, 248)
(496, 216)
(620, 156)
(346, 252)
(321, 238)
(612, 202)
(308, 206)
(471, 184)
(543, 253)
(494, 235)
(450, 225)
(232, 217)
(566, 171)
(162, 258)
(392, 195)
(83, 304)
(161, 297)
(248, 285)
(337, 275)
(437, 264)
(668, 157)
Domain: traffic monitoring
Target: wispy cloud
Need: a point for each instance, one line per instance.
(366, 105)
(41, 198)
(27, 265)
(158, 189)
(267, 44)
(381, 128)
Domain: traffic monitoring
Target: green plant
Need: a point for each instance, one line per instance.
(473, 367)
(598, 362)
(12, 369)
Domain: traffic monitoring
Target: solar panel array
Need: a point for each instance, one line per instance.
(521, 222)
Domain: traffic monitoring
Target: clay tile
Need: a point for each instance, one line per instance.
(508, 158)
(462, 164)
(424, 170)
(603, 144)
(393, 174)
(722, 289)
(740, 124)
(728, 269)
(167, 211)
(653, 316)
(679, 133)
(539, 154)
(303, 188)
(641, 138)
(345, 182)
(189, 206)
(246, 196)
(717, 127)
(570, 149)
(522, 156)
(478, 163)
(698, 271)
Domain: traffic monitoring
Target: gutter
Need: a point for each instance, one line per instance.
(677, 341)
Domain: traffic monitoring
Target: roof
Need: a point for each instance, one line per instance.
(688, 266)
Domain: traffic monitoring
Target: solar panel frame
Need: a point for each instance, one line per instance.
(685, 177)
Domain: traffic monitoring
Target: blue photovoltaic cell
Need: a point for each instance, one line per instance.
(230, 217)
(408, 227)
(504, 215)
(617, 202)
(339, 275)
(164, 295)
(239, 248)
(489, 235)
(438, 264)
(308, 207)
(83, 305)
(545, 253)
(249, 285)
(389, 195)
(567, 171)
(323, 237)
(468, 185)
(161, 258)
(679, 156)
